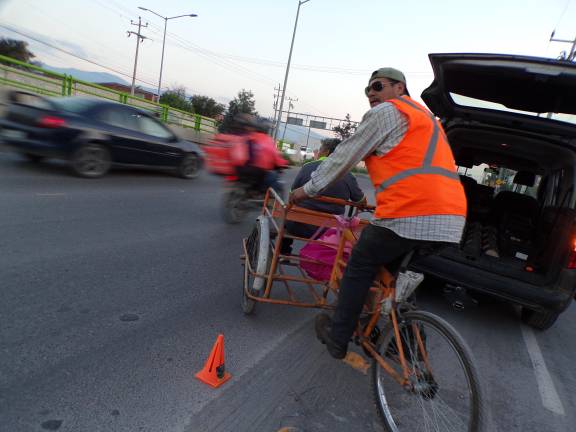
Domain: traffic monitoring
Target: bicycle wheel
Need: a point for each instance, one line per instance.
(259, 256)
(444, 391)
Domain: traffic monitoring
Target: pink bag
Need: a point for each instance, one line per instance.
(326, 254)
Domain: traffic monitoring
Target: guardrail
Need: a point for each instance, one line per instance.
(34, 79)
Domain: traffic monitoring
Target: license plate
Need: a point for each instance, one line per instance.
(12, 134)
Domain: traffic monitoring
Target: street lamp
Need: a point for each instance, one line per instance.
(300, 3)
(164, 38)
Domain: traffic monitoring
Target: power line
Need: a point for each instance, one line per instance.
(71, 54)
(562, 14)
(47, 16)
(119, 6)
(112, 10)
(207, 54)
(222, 62)
(139, 39)
(273, 63)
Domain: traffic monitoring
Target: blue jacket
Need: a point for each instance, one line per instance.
(346, 188)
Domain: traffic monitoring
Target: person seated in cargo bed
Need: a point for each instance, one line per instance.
(346, 188)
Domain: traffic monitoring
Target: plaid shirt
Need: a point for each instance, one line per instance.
(383, 128)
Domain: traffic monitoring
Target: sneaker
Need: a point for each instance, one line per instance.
(323, 326)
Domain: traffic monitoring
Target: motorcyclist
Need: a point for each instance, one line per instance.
(255, 155)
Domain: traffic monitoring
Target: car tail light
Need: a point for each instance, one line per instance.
(572, 259)
(51, 122)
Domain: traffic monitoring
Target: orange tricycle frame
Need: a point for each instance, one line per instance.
(278, 213)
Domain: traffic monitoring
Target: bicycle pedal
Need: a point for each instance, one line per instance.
(357, 362)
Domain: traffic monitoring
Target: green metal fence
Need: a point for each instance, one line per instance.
(24, 76)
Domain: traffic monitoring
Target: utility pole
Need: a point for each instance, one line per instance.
(563, 56)
(290, 106)
(275, 104)
(139, 38)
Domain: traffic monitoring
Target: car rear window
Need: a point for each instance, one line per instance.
(73, 105)
(500, 179)
(467, 101)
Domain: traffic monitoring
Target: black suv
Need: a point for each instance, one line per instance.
(511, 122)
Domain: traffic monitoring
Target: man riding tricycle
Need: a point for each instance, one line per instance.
(420, 206)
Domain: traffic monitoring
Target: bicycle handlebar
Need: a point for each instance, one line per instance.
(329, 200)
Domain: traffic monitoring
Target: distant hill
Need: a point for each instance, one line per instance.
(94, 77)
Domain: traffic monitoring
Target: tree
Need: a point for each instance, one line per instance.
(346, 129)
(330, 141)
(243, 103)
(16, 49)
(176, 98)
(206, 106)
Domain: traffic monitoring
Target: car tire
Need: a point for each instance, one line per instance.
(91, 161)
(33, 157)
(189, 167)
(540, 320)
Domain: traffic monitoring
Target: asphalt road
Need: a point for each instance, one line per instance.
(113, 291)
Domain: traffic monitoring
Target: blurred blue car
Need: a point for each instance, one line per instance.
(93, 135)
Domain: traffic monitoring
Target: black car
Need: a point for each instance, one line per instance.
(93, 134)
(511, 122)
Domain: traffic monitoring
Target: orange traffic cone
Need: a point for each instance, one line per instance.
(214, 373)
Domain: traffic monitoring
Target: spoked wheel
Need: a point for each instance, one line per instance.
(260, 257)
(189, 167)
(444, 392)
(234, 206)
(91, 161)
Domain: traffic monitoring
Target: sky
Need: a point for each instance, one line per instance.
(233, 45)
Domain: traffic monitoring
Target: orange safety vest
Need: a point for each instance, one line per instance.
(418, 177)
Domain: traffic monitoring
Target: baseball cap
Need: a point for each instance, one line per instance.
(389, 73)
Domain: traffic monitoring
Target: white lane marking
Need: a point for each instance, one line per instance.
(548, 393)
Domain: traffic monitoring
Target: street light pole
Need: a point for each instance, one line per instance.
(164, 39)
(300, 3)
(162, 60)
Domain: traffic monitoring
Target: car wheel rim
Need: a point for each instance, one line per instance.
(190, 166)
(92, 161)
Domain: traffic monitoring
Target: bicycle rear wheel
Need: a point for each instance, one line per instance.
(444, 392)
(260, 257)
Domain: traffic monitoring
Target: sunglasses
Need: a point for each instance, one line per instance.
(377, 86)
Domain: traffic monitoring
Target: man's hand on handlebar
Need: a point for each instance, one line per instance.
(297, 195)
(363, 202)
